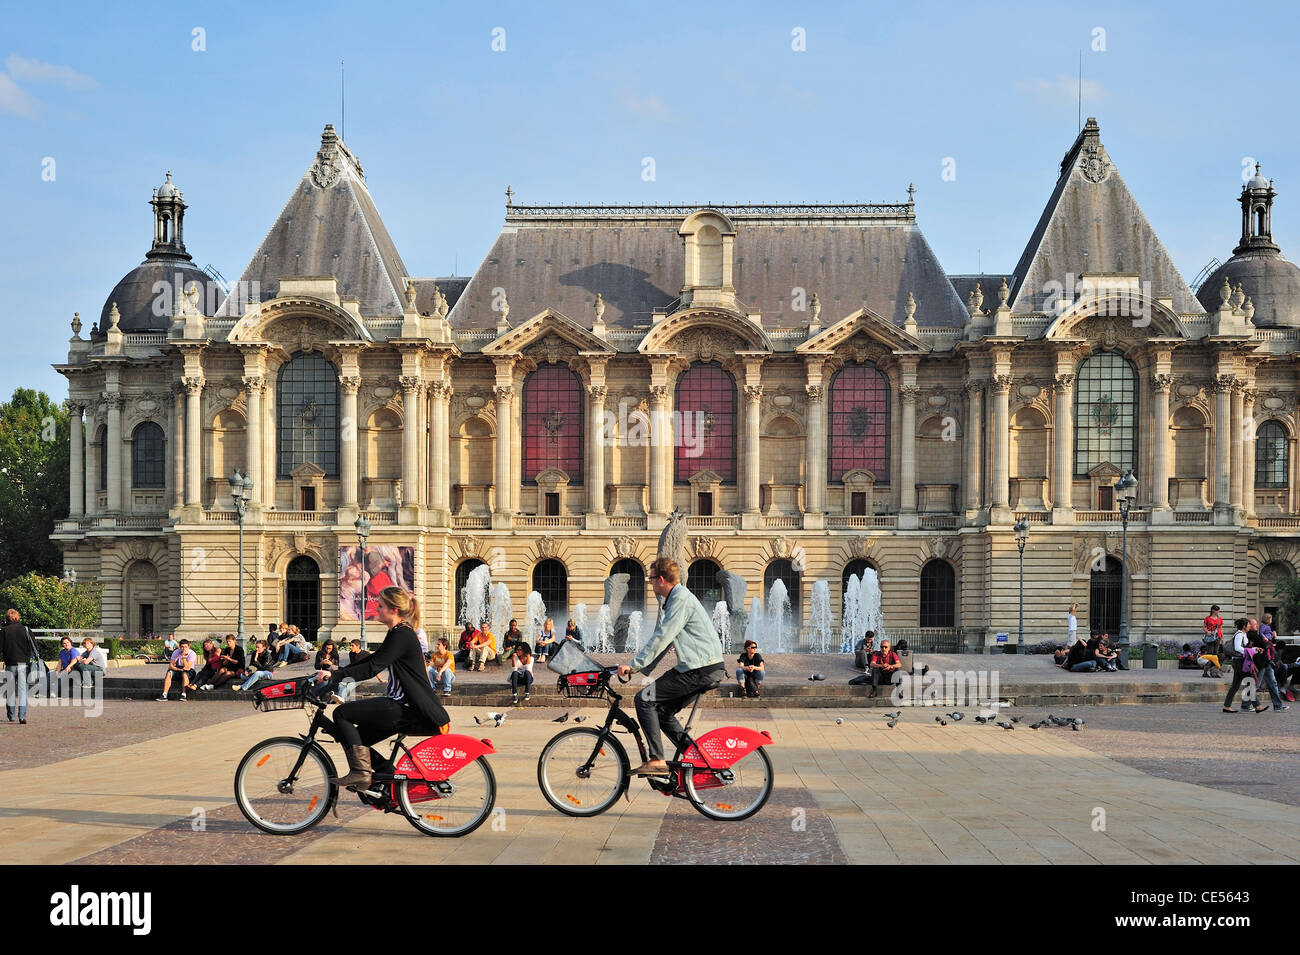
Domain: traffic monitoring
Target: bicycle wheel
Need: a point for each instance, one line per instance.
(738, 798)
(460, 810)
(582, 794)
(271, 802)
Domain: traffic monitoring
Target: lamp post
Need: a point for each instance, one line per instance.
(1125, 494)
(241, 492)
(1022, 538)
(363, 531)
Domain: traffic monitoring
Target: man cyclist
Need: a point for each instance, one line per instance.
(686, 625)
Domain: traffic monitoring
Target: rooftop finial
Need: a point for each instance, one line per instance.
(76, 324)
(911, 193)
(510, 197)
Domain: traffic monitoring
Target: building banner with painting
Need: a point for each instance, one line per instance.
(361, 580)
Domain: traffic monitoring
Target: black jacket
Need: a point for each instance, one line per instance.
(400, 651)
(15, 643)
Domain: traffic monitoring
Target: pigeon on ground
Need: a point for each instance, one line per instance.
(1015, 719)
(817, 676)
(1005, 725)
(894, 715)
(938, 719)
(983, 719)
(561, 719)
(891, 723)
(943, 722)
(1040, 723)
(1076, 727)
(579, 719)
(957, 716)
(1059, 721)
(496, 718)
(839, 721)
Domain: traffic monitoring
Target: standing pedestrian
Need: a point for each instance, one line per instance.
(1237, 654)
(1072, 625)
(16, 647)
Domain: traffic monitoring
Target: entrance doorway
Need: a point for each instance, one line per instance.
(1104, 598)
(302, 596)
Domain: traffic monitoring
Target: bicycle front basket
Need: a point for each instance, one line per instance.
(570, 659)
(290, 695)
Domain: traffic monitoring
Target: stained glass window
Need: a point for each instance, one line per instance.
(859, 425)
(552, 423)
(938, 595)
(147, 464)
(1271, 455)
(307, 402)
(1105, 414)
(706, 414)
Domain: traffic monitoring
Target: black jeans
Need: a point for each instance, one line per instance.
(521, 676)
(658, 703)
(1238, 674)
(366, 722)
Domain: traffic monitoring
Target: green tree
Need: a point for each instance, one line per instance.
(33, 482)
(52, 602)
(1288, 615)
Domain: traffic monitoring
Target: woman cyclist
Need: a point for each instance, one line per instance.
(410, 702)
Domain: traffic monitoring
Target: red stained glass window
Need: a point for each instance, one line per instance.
(552, 423)
(705, 436)
(859, 425)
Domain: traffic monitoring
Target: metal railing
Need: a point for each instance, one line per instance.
(930, 639)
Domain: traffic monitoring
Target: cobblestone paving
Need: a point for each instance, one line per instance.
(1248, 753)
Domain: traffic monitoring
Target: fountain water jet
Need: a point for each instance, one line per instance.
(819, 617)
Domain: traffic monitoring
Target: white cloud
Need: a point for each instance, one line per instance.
(21, 68)
(13, 100)
(650, 107)
(1062, 91)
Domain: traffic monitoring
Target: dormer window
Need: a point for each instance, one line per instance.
(709, 246)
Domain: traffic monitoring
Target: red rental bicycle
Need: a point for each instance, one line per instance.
(443, 785)
(725, 774)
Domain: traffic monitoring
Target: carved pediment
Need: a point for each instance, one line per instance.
(859, 478)
(863, 330)
(549, 336)
(704, 479)
(307, 472)
(1105, 470)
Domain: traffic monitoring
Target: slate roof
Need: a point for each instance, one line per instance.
(561, 256)
(1092, 224)
(989, 284)
(330, 226)
(451, 287)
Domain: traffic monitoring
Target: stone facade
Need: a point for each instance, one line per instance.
(983, 422)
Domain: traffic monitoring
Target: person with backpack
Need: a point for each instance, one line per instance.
(19, 653)
(1261, 654)
(1240, 641)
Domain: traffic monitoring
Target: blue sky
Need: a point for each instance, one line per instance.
(581, 94)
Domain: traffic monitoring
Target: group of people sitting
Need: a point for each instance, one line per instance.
(477, 647)
(880, 664)
(1094, 655)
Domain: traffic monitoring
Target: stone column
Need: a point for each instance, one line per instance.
(749, 497)
(348, 461)
(1234, 477)
(76, 463)
(909, 392)
(1223, 447)
(193, 451)
(1248, 454)
(505, 442)
(1160, 441)
(661, 463)
(1001, 441)
(410, 439)
(596, 450)
(441, 503)
(114, 452)
(815, 457)
(253, 385)
(1063, 438)
(974, 445)
(178, 449)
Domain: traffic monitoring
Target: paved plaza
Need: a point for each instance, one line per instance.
(1181, 783)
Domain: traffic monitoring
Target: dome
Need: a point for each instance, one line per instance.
(168, 188)
(1271, 283)
(135, 295)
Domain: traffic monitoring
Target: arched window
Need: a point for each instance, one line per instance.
(551, 580)
(462, 578)
(853, 568)
(783, 570)
(148, 468)
(1272, 455)
(1271, 576)
(702, 580)
(307, 403)
(859, 422)
(102, 449)
(1104, 596)
(302, 595)
(1105, 414)
(552, 423)
(636, 584)
(938, 595)
(706, 409)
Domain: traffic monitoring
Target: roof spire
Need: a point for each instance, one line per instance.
(1257, 216)
(510, 198)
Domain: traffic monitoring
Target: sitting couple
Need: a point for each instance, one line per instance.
(1093, 656)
